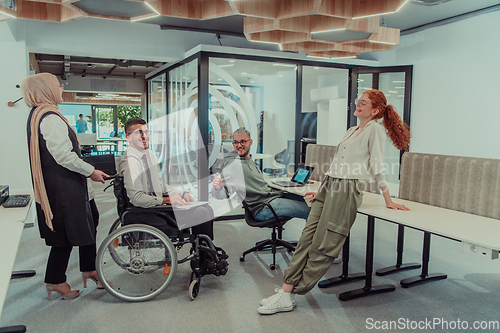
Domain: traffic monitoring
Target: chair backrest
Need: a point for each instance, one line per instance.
(121, 195)
(87, 139)
(105, 162)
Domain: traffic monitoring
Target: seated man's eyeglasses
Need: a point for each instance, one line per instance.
(140, 132)
(242, 142)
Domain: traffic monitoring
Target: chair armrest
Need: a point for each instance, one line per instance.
(261, 203)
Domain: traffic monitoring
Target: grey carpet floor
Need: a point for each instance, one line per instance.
(229, 303)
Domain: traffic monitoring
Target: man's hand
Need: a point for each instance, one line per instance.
(188, 197)
(174, 198)
(310, 196)
(98, 175)
(217, 183)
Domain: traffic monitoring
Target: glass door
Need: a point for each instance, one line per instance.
(395, 83)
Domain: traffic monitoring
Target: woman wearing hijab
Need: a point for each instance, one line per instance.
(66, 217)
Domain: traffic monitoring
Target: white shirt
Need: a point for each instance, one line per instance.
(360, 155)
(55, 132)
(135, 180)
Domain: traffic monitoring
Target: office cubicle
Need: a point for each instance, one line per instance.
(195, 105)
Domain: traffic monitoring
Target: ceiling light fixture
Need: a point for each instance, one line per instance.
(266, 42)
(404, 3)
(144, 18)
(229, 65)
(157, 12)
(331, 30)
(5, 13)
(310, 56)
(397, 10)
(284, 65)
(379, 42)
(343, 57)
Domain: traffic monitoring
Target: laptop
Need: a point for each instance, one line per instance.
(299, 178)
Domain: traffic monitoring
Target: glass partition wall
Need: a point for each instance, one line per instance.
(195, 105)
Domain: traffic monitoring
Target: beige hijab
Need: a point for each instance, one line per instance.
(43, 91)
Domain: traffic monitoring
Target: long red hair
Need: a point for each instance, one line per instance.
(397, 129)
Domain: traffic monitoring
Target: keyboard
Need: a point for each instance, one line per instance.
(18, 200)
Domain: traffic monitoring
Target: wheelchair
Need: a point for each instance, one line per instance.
(137, 262)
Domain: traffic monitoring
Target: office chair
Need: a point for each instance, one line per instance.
(276, 223)
(137, 262)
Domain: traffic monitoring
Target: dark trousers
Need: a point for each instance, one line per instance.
(59, 256)
(201, 216)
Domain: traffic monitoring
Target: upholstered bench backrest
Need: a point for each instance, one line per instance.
(320, 157)
(465, 184)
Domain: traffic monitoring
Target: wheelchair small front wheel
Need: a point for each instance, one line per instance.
(194, 289)
(136, 262)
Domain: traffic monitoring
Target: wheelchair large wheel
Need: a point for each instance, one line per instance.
(136, 262)
(115, 225)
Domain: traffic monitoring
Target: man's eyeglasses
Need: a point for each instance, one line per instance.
(357, 101)
(242, 142)
(140, 132)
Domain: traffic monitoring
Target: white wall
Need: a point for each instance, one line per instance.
(14, 165)
(455, 108)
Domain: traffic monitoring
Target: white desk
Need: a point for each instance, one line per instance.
(443, 222)
(9, 241)
(474, 229)
(12, 225)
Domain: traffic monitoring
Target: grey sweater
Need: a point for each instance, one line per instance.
(243, 176)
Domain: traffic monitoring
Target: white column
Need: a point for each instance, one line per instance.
(14, 67)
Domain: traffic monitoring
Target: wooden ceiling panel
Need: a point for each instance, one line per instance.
(333, 54)
(283, 22)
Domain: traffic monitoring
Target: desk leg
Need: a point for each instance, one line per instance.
(13, 329)
(399, 261)
(344, 277)
(368, 289)
(424, 277)
(22, 274)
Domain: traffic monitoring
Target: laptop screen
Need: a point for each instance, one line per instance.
(302, 174)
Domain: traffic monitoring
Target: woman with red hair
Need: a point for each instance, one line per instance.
(359, 159)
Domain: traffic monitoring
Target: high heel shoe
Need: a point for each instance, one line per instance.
(61, 289)
(93, 276)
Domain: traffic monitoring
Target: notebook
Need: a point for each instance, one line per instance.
(299, 178)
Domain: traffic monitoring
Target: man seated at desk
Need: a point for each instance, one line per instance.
(145, 187)
(254, 188)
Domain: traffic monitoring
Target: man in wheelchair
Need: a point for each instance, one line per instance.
(145, 188)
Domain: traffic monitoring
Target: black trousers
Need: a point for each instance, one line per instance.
(201, 216)
(57, 263)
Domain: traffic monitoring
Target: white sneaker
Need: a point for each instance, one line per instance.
(266, 300)
(338, 260)
(280, 302)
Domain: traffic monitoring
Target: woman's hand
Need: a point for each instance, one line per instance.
(98, 175)
(393, 205)
(310, 196)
